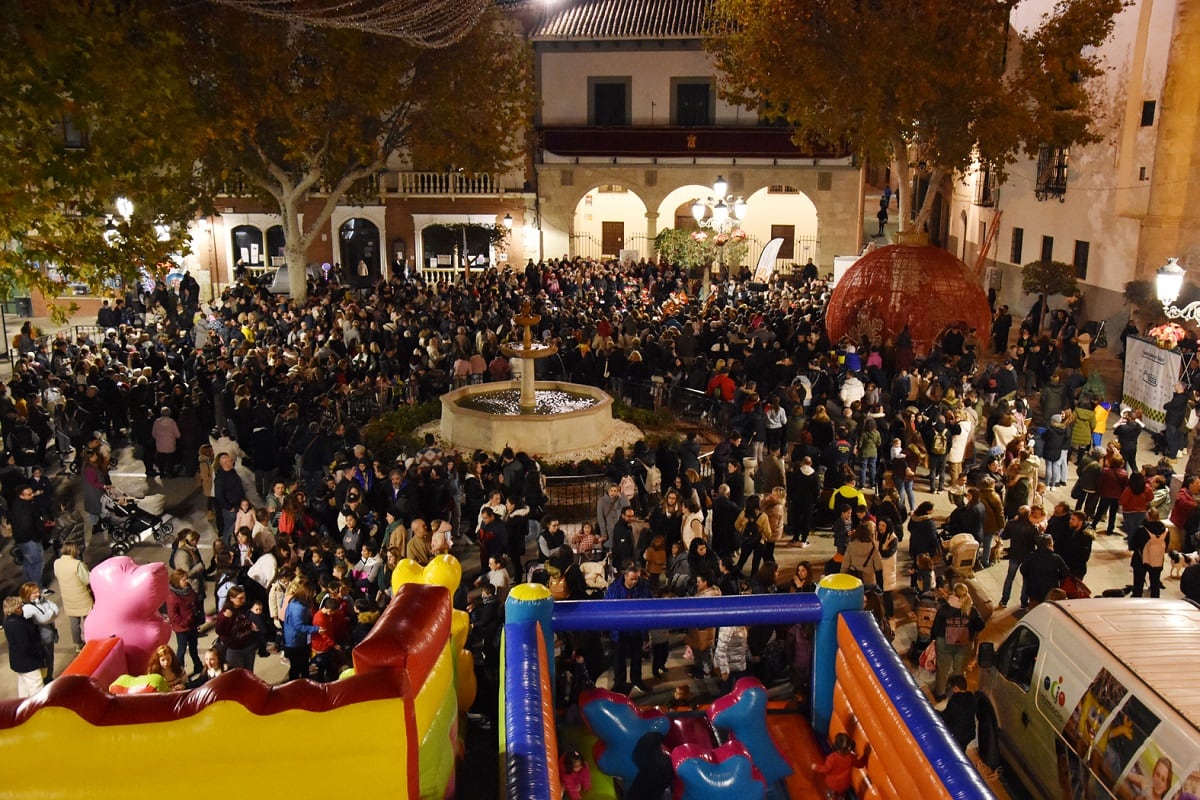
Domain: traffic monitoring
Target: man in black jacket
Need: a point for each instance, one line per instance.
(1041, 571)
(228, 493)
(1022, 538)
(725, 511)
(28, 534)
(1175, 412)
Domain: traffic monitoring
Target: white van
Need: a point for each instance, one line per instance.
(1096, 698)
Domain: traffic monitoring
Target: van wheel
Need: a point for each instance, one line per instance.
(988, 739)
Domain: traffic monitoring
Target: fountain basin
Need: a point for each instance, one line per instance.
(467, 428)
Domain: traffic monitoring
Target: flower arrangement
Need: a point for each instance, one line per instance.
(721, 239)
(1168, 335)
(738, 235)
(699, 236)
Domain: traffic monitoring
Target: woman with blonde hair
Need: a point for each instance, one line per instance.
(954, 630)
(74, 584)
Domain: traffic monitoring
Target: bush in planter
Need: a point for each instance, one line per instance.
(392, 434)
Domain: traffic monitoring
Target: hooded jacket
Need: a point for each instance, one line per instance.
(923, 538)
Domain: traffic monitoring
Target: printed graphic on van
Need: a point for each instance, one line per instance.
(1152, 775)
(1092, 710)
(1126, 732)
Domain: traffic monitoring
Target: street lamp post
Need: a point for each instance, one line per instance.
(1169, 283)
(723, 215)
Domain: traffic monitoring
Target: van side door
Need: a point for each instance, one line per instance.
(1026, 738)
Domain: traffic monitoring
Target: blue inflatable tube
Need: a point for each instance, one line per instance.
(685, 612)
(956, 771)
(527, 768)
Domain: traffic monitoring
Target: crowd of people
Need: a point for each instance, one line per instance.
(817, 433)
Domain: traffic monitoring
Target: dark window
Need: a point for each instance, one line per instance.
(693, 104)
(1051, 173)
(1081, 260)
(248, 245)
(610, 102)
(1047, 248)
(1018, 657)
(1018, 241)
(788, 234)
(73, 137)
(1148, 113)
(985, 190)
(276, 245)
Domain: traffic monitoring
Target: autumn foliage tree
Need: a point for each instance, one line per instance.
(943, 83)
(96, 107)
(301, 113)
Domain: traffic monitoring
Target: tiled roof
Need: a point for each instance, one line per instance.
(624, 19)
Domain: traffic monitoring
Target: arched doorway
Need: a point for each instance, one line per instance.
(783, 212)
(609, 219)
(247, 246)
(275, 246)
(359, 245)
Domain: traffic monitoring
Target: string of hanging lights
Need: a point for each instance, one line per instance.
(421, 23)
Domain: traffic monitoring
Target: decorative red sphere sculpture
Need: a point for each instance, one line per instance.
(923, 287)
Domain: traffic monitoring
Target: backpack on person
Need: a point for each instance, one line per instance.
(958, 630)
(938, 445)
(653, 479)
(1154, 551)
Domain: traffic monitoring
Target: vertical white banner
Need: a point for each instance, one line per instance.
(1150, 376)
(766, 261)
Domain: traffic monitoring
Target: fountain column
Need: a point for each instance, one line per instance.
(528, 401)
(528, 352)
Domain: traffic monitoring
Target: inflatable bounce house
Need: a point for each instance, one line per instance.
(742, 746)
(88, 734)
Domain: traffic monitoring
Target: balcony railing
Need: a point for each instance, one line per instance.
(442, 183)
(427, 184)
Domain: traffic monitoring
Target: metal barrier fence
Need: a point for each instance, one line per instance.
(685, 404)
(573, 497)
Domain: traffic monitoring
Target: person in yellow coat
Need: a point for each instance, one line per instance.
(1099, 422)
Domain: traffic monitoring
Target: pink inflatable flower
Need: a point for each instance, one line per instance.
(128, 597)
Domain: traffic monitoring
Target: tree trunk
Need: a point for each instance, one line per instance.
(904, 182)
(295, 251)
(926, 210)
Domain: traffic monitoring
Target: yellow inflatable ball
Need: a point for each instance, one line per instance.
(407, 571)
(444, 571)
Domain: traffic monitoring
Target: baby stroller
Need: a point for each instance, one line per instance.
(961, 552)
(68, 528)
(598, 575)
(127, 519)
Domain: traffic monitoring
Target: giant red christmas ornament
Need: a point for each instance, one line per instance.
(923, 287)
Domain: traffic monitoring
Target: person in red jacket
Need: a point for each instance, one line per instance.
(1113, 479)
(185, 614)
(325, 649)
(839, 766)
(1185, 501)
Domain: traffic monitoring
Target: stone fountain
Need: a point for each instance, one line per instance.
(546, 418)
